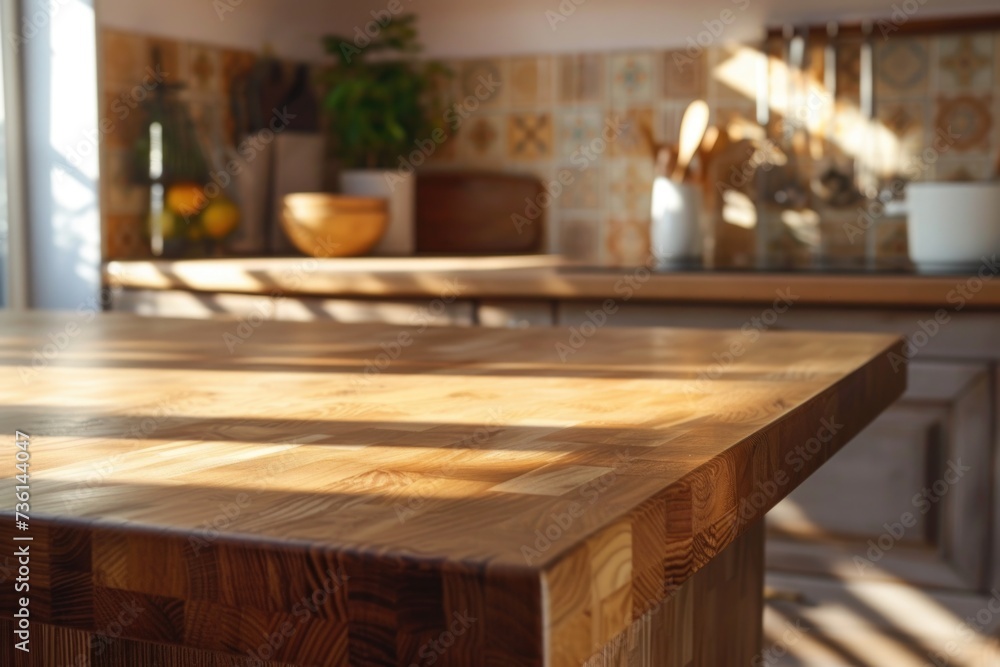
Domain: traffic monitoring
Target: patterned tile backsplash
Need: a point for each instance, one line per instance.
(596, 116)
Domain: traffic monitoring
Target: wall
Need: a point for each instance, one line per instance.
(550, 108)
(292, 29)
(459, 28)
(551, 104)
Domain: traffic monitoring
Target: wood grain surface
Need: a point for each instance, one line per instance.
(544, 277)
(714, 618)
(315, 494)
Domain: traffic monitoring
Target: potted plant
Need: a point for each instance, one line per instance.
(385, 118)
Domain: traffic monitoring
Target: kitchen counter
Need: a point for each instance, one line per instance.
(328, 494)
(549, 277)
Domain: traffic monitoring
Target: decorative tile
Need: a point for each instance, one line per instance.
(531, 81)
(963, 169)
(234, 65)
(124, 237)
(577, 129)
(485, 80)
(902, 66)
(581, 78)
(481, 138)
(966, 61)
(634, 127)
(631, 77)
(909, 122)
(968, 116)
(123, 58)
(201, 69)
(529, 136)
(668, 122)
(121, 193)
(579, 238)
(891, 240)
(630, 187)
(626, 241)
(207, 113)
(483, 134)
(903, 117)
(584, 190)
(125, 119)
(446, 152)
(166, 53)
(683, 76)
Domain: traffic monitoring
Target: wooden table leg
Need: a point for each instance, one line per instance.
(714, 618)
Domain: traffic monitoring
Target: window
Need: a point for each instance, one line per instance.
(41, 123)
(12, 262)
(4, 211)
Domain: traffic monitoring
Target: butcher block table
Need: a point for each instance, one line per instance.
(266, 493)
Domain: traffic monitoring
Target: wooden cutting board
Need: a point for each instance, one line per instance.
(479, 213)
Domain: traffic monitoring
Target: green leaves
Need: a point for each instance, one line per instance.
(379, 107)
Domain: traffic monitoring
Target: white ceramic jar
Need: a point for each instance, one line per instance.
(952, 223)
(675, 229)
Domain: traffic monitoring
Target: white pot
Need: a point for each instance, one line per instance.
(400, 191)
(675, 228)
(952, 223)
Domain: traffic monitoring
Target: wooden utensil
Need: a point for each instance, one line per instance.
(693, 128)
(666, 160)
(706, 152)
(647, 133)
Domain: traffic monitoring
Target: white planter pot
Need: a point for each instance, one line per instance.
(400, 191)
(675, 229)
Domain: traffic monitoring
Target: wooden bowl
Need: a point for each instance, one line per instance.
(326, 225)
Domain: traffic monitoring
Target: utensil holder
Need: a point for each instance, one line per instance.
(676, 233)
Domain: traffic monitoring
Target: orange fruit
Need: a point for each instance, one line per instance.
(220, 218)
(186, 199)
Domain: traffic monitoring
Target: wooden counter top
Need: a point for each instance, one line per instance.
(417, 480)
(547, 277)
